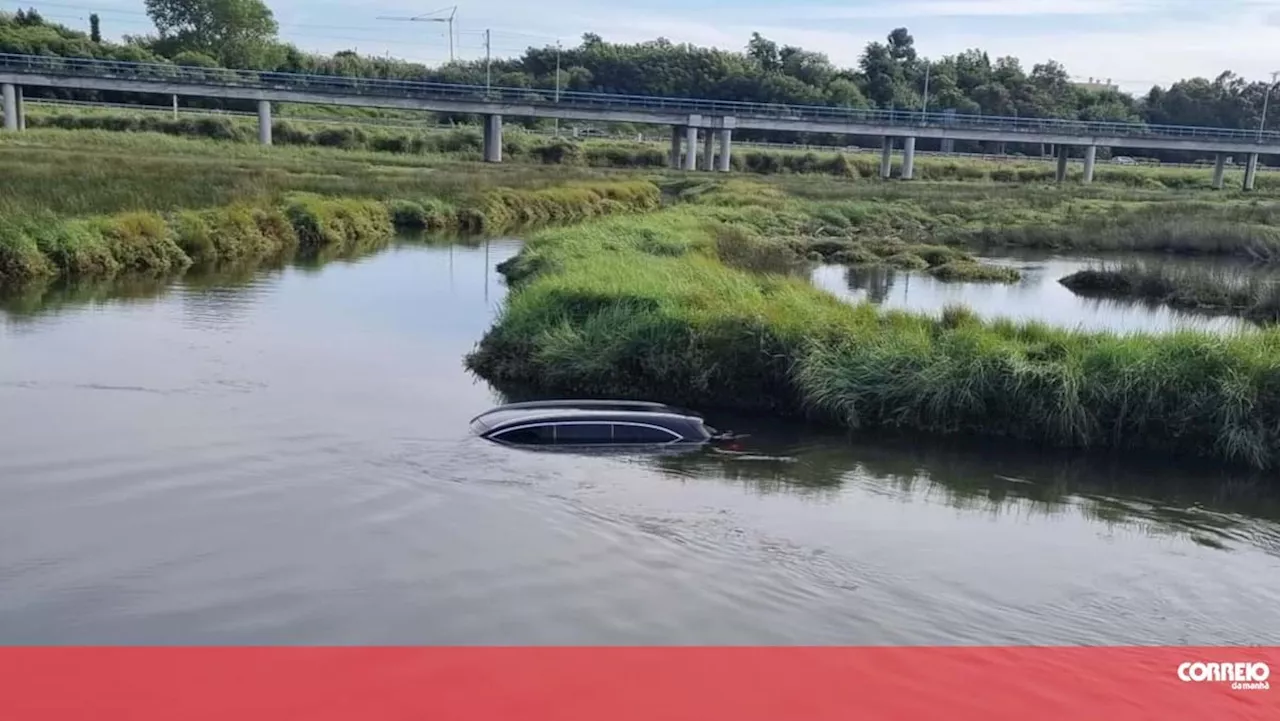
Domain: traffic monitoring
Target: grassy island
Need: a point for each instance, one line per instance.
(663, 307)
(1219, 292)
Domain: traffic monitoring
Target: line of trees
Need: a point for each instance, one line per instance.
(890, 74)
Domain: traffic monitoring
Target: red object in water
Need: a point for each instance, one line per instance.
(632, 684)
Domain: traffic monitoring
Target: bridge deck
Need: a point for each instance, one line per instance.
(77, 73)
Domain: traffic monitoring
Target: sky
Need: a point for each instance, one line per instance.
(1135, 43)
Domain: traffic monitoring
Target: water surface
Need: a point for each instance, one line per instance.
(1037, 296)
(283, 457)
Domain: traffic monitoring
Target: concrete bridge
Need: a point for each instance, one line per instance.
(716, 119)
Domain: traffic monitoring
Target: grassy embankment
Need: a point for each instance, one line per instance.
(96, 207)
(653, 307)
(347, 132)
(1212, 291)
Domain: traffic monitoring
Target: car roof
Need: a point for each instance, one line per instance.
(579, 409)
(589, 404)
(665, 420)
(570, 410)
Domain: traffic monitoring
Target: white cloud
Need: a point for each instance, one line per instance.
(1137, 59)
(978, 8)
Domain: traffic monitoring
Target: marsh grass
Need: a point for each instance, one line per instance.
(944, 263)
(978, 217)
(1248, 295)
(505, 208)
(645, 307)
(1196, 393)
(95, 172)
(235, 233)
(344, 223)
(967, 271)
(43, 245)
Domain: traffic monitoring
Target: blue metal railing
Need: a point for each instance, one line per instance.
(387, 88)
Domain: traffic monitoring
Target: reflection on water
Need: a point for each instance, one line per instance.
(236, 285)
(1210, 506)
(1038, 296)
(283, 457)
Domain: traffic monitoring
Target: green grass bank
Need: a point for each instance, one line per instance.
(663, 307)
(42, 245)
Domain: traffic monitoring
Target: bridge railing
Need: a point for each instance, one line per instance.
(383, 87)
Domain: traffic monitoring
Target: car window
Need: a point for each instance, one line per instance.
(527, 434)
(625, 433)
(584, 433)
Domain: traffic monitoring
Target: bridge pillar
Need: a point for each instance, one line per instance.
(1061, 174)
(690, 147)
(493, 138)
(886, 157)
(676, 132)
(908, 158)
(708, 150)
(1090, 156)
(1250, 170)
(10, 106)
(726, 138)
(264, 122)
(1219, 169)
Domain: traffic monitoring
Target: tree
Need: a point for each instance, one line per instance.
(843, 92)
(812, 68)
(235, 32)
(883, 75)
(30, 18)
(95, 30)
(764, 52)
(902, 45)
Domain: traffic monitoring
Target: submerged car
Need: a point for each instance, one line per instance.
(592, 422)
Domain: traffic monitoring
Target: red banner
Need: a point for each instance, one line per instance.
(638, 684)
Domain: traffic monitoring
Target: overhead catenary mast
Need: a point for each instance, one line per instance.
(1262, 124)
(435, 16)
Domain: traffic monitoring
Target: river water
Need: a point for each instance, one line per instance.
(284, 457)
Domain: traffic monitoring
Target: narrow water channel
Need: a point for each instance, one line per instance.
(283, 457)
(1037, 296)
